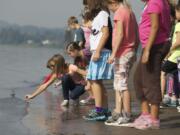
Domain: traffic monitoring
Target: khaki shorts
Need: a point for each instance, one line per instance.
(122, 68)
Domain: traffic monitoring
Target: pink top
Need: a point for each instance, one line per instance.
(87, 33)
(161, 8)
(127, 17)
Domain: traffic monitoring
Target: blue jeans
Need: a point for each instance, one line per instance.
(70, 89)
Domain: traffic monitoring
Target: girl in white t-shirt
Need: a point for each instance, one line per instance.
(99, 69)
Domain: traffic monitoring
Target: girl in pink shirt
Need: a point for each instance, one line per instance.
(154, 30)
(124, 44)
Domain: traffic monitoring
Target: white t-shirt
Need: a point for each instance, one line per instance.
(98, 23)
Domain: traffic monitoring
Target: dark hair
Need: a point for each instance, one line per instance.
(172, 11)
(73, 46)
(110, 1)
(72, 20)
(95, 6)
(84, 2)
(81, 62)
(87, 16)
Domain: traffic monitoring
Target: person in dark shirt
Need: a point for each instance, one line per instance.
(81, 60)
(78, 31)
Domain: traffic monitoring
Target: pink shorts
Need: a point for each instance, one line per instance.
(121, 71)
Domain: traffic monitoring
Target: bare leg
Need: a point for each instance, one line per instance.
(89, 89)
(163, 84)
(118, 102)
(126, 101)
(90, 93)
(155, 111)
(145, 107)
(97, 91)
(104, 95)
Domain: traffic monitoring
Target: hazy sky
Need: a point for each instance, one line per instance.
(46, 13)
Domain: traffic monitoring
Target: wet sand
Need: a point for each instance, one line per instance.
(45, 116)
(22, 69)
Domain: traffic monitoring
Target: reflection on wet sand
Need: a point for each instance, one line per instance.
(57, 115)
(45, 116)
(12, 111)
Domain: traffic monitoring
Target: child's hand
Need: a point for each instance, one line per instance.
(111, 59)
(28, 97)
(88, 86)
(96, 56)
(72, 68)
(145, 56)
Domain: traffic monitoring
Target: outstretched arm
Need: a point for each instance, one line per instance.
(42, 87)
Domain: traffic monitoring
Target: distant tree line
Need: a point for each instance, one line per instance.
(15, 34)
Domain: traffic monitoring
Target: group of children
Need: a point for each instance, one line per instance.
(103, 52)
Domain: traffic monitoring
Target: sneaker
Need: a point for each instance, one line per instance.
(112, 119)
(178, 100)
(162, 106)
(65, 103)
(178, 108)
(139, 120)
(123, 120)
(95, 116)
(173, 103)
(155, 124)
(148, 124)
(107, 112)
(88, 101)
(166, 100)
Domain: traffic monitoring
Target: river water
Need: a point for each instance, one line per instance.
(22, 68)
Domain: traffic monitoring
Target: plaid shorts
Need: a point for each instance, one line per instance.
(121, 71)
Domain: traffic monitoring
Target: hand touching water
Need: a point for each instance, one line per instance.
(28, 97)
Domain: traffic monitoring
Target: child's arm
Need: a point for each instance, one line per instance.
(174, 46)
(81, 72)
(42, 87)
(74, 68)
(177, 43)
(118, 40)
(104, 38)
(81, 44)
(153, 33)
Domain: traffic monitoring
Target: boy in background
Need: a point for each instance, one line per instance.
(78, 31)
